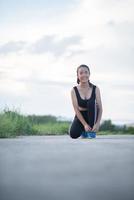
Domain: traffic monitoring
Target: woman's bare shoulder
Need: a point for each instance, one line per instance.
(97, 88)
(73, 88)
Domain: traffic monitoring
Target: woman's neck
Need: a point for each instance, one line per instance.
(84, 85)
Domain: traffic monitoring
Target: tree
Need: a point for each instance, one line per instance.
(107, 125)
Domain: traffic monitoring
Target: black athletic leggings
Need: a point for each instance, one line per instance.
(77, 127)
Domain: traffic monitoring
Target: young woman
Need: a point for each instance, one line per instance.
(86, 100)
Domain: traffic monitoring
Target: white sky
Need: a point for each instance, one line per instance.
(42, 43)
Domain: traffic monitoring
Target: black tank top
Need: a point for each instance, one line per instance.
(90, 104)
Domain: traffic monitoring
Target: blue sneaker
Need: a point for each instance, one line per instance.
(91, 134)
(88, 134)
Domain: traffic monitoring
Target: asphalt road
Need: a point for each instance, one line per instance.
(61, 168)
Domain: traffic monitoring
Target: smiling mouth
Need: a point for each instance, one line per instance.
(84, 78)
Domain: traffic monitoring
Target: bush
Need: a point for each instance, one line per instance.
(13, 124)
(130, 130)
(107, 126)
(6, 127)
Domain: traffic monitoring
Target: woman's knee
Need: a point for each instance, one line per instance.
(75, 129)
(74, 134)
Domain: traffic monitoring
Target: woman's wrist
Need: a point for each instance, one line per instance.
(85, 124)
(98, 122)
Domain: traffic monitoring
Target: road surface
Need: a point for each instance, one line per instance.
(61, 168)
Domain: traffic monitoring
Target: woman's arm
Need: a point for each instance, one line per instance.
(99, 105)
(99, 108)
(76, 108)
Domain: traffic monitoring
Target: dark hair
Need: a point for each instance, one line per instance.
(88, 70)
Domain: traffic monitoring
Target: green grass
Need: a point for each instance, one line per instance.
(116, 132)
(56, 128)
(13, 124)
(111, 133)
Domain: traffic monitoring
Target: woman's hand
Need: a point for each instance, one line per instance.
(96, 127)
(87, 128)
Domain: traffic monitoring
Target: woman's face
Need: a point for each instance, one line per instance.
(83, 74)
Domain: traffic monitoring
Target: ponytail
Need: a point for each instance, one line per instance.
(78, 80)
